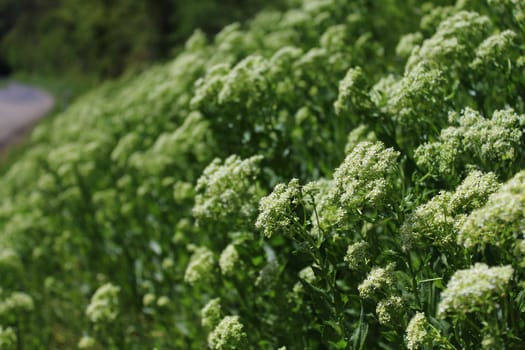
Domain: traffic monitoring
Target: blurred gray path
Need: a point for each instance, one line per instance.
(20, 107)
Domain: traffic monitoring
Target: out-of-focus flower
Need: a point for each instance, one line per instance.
(104, 305)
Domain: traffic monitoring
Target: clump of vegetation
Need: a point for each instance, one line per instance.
(339, 175)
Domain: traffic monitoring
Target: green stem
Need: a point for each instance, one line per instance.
(415, 289)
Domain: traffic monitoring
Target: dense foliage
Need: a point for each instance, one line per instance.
(104, 38)
(342, 175)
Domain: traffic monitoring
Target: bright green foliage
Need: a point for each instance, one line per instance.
(512, 9)
(294, 181)
(170, 150)
(359, 134)
(496, 54)
(433, 16)
(10, 265)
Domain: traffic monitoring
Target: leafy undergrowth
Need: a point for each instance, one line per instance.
(343, 175)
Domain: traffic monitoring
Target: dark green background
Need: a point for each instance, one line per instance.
(103, 38)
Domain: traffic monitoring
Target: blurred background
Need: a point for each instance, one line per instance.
(52, 51)
(82, 42)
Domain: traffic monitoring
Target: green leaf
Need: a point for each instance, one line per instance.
(361, 332)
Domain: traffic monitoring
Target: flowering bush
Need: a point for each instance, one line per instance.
(337, 175)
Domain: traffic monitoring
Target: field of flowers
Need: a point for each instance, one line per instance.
(341, 175)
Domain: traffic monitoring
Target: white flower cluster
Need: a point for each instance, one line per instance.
(357, 255)
(365, 178)
(189, 142)
(209, 87)
(353, 95)
(377, 283)
(307, 275)
(407, 43)
(9, 260)
(15, 303)
(495, 51)
(327, 211)
(226, 190)
(277, 210)
(246, 82)
(229, 260)
(163, 301)
(435, 221)
(454, 42)
(228, 335)
(86, 343)
(476, 289)
(201, 266)
(419, 333)
(501, 220)
(486, 142)
(229, 92)
(104, 305)
(434, 16)
(336, 39)
(211, 314)
(8, 340)
(148, 299)
(390, 310)
(412, 100)
(196, 41)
